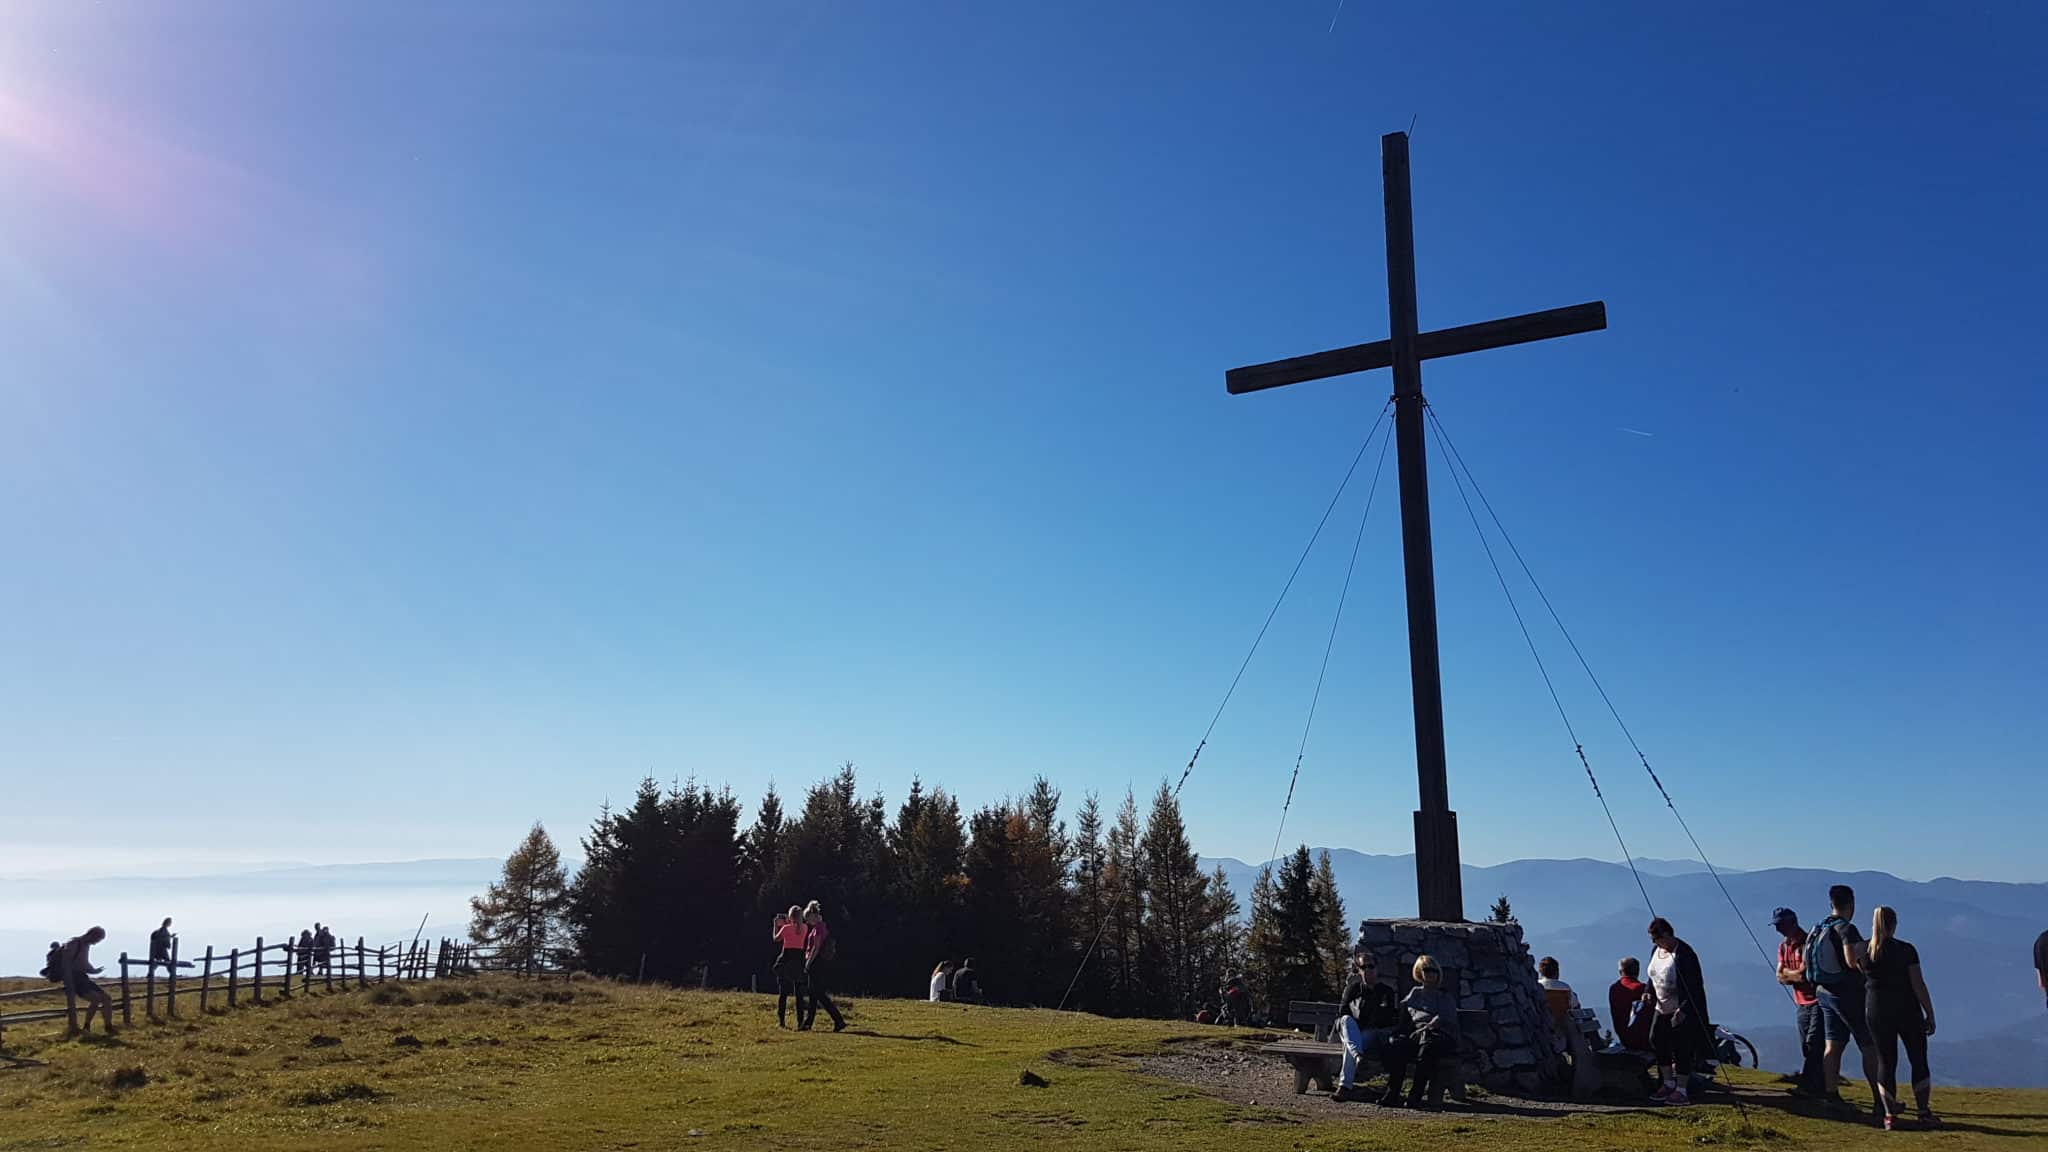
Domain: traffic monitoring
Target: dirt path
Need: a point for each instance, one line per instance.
(1249, 1078)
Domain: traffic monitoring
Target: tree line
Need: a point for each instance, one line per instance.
(674, 887)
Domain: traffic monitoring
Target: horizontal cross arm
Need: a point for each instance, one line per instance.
(1591, 317)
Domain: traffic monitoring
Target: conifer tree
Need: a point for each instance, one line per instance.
(1124, 886)
(1332, 942)
(521, 915)
(1177, 894)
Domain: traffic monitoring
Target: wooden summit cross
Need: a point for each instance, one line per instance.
(1439, 888)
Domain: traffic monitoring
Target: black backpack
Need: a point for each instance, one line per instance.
(53, 964)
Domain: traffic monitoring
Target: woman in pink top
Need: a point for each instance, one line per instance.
(818, 951)
(791, 933)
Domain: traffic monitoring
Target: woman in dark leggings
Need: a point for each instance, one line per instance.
(790, 934)
(1896, 1000)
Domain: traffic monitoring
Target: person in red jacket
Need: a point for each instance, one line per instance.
(1792, 974)
(1625, 1007)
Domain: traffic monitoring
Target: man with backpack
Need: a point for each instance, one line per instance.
(1834, 965)
(70, 964)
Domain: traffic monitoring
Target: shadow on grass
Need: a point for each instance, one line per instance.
(1980, 1129)
(932, 1038)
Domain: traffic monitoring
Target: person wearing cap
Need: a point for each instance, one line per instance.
(1792, 974)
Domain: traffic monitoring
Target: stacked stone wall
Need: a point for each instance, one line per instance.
(1488, 968)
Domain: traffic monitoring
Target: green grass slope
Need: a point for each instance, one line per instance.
(503, 1063)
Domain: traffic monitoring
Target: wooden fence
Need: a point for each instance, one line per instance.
(279, 971)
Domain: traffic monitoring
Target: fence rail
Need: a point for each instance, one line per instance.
(224, 980)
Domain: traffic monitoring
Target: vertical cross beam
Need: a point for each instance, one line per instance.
(1438, 883)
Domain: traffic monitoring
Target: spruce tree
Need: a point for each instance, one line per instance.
(1298, 972)
(1124, 886)
(836, 852)
(1332, 942)
(1091, 906)
(1176, 894)
(1264, 951)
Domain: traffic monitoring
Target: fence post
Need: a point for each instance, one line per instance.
(361, 982)
(127, 1017)
(380, 963)
(149, 990)
(257, 974)
(234, 974)
(206, 980)
(327, 966)
(171, 979)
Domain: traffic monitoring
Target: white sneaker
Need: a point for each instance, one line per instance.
(1678, 1096)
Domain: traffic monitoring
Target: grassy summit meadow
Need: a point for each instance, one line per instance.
(506, 1063)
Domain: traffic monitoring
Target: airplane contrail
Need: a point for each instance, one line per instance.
(1334, 15)
(1640, 432)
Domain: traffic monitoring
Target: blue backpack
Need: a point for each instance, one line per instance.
(1824, 955)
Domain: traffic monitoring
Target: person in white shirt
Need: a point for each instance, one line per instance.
(942, 980)
(1546, 970)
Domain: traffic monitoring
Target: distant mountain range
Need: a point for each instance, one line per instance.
(1975, 939)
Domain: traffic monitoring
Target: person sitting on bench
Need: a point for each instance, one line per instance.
(1433, 1027)
(1546, 969)
(1366, 1022)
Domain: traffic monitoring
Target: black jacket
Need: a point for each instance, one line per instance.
(1692, 987)
(1373, 1004)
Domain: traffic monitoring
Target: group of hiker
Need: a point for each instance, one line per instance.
(958, 983)
(803, 967)
(314, 951)
(69, 963)
(1847, 988)
(1843, 987)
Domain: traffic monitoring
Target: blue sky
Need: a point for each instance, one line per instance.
(419, 420)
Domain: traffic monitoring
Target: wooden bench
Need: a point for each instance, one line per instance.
(1318, 1016)
(1318, 1060)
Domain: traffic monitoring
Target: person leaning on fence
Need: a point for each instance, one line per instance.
(819, 949)
(75, 962)
(161, 943)
(789, 936)
(304, 953)
(323, 947)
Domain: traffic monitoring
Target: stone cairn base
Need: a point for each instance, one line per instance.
(1488, 968)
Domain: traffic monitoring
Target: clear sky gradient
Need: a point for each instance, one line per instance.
(416, 420)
